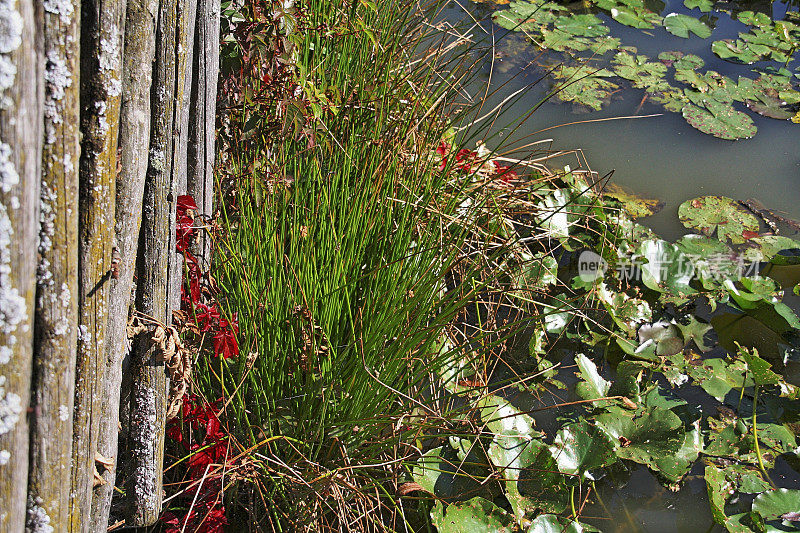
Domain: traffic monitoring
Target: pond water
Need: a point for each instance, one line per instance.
(663, 156)
(659, 157)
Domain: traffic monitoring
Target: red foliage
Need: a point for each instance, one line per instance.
(199, 431)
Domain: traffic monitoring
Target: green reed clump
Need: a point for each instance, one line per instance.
(342, 244)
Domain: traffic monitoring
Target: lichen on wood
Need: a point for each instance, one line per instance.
(101, 65)
(21, 105)
(149, 386)
(57, 277)
(134, 139)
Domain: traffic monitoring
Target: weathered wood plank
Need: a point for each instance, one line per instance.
(202, 126)
(134, 142)
(21, 104)
(101, 66)
(56, 324)
(187, 14)
(148, 395)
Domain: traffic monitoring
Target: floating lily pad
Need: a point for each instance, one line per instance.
(753, 19)
(548, 523)
(642, 73)
(720, 120)
(635, 206)
(648, 438)
(477, 514)
(681, 25)
(736, 51)
(709, 214)
(584, 86)
(770, 105)
(781, 505)
(582, 25)
(703, 5)
(690, 62)
(581, 447)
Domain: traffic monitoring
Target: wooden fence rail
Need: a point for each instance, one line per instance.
(107, 114)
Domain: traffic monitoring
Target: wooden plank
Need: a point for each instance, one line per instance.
(101, 86)
(21, 104)
(149, 384)
(57, 288)
(202, 126)
(187, 14)
(134, 142)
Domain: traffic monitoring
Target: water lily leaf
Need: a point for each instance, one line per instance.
(771, 106)
(664, 335)
(754, 19)
(760, 370)
(582, 25)
(628, 313)
(703, 5)
(647, 439)
(593, 385)
(438, 472)
(530, 473)
(477, 514)
(719, 376)
(527, 16)
(642, 73)
(635, 206)
(666, 269)
(690, 62)
(584, 86)
(503, 419)
(719, 489)
(736, 51)
(548, 523)
(581, 447)
(681, 25)
(710, 214)
(694, 330)
(720, 120)
(526, 465)
(778, 505)
(670, 57)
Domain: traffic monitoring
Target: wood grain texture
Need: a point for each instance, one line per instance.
(202, 125)
(134, 142)
(21, 105)
(56, 322)
(149, 384)
(101, 87)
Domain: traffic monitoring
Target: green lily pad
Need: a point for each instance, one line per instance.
(477, 514)
(525, 464)
(719, 489)
(760, 370)
(772, 106)
(648, 439)
(642, 73)
(703, 5)
(593, 385)
(584, 86)
(781, 504)
(635, 206)
(581, 447)
(681, 25)
(582, 25)
(666, 268)
(754, 19)
(690, 62)
(736, 51)
(720, 120)
(710, 214)
(548, 523)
